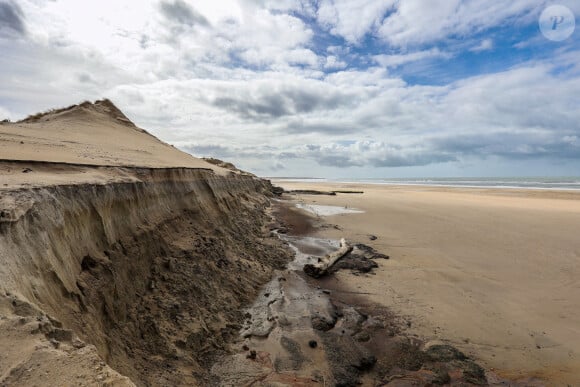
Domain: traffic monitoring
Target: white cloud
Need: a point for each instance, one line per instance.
(396, 60)
(412, 23)
(352, 20)
(5, 114)
(419, 22)
(332, 62)
(484, 45)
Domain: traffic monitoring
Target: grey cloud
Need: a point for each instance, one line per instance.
(445, 149)
(220, 151)
(278, 166)
(280, 103)
(182, 13)
(301, 127)
(337, 161)
(516, 146)
(386, 160)
(376, 154)
(210, 150)
(272, 107)
(11, 18)
(86, 78)
(288, 155)
(414, 160)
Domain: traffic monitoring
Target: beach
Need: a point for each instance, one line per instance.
(491, 271)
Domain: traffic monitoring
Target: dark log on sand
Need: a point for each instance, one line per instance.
(310, 192)
(320, 268)
(316, 192)
(349, 192)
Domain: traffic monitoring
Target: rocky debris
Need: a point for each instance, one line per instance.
(355, 262)
(372, 237)
(406, 362)
(347, 358)
(444, 353)
(277, 191)
(294, 359)
(360, 260)
(322, 323)
(369, 252)
(251, 355)
(24, 309)
(237, 370)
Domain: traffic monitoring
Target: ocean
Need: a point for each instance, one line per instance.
(551, 183)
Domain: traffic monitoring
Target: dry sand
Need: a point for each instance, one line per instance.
(493, 272)
(91, 134)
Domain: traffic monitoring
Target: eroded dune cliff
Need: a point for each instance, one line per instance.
(117, 274)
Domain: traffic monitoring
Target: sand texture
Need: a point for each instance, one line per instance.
(90, 134)
(493, 272)
(117, 253)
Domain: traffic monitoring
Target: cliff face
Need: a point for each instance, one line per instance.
(139, 272)
(151, 271)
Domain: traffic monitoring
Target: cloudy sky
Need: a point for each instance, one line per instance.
(327, 88)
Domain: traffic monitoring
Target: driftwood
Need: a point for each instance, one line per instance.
(316, 192)
(349, 192)
(320, 268)
(311, 192)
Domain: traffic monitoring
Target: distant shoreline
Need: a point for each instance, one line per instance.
(550, 184)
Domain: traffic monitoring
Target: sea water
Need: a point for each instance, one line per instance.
(552, 183)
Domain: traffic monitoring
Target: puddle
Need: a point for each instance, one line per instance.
(320, 210)
(308, 249)
(288, 300)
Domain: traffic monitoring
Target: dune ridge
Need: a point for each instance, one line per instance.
(91, 134)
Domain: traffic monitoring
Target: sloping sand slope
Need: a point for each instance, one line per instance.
(91, 134)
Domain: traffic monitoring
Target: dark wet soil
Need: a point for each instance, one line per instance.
(293, 221)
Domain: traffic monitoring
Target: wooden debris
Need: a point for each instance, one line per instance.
(320, 268)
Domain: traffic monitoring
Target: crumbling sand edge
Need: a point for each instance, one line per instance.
(140, 269)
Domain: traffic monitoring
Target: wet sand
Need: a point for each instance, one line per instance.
(311, 331)
(493, 272)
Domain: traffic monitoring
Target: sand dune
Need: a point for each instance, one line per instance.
(91, 134)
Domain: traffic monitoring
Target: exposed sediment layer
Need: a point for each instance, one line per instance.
(152, 268)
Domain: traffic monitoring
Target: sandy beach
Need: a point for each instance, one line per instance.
(493, 272)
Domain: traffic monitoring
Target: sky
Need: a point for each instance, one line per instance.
(315, 88)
